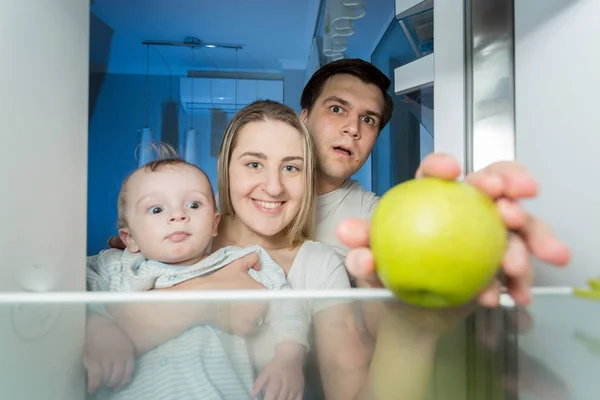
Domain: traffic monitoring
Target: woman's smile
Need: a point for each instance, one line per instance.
(271, 207)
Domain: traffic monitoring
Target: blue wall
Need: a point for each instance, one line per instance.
(118, 114)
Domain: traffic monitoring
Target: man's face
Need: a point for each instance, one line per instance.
(344, 123)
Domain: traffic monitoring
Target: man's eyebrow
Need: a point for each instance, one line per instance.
(337, 99)
(373, 114)
(347, 104)
(262, 156)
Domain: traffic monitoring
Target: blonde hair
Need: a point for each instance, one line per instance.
(167, 157)
(302, 227)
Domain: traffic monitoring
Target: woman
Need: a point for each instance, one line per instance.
(267, 198)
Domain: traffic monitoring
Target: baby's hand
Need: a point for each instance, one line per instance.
(108, 355)
(282, 376)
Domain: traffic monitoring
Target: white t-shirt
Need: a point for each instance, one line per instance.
(316, 267)
(350, 200)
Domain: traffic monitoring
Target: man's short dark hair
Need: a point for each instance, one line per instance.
(363, 70)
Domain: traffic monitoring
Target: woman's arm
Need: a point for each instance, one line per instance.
(151, 324)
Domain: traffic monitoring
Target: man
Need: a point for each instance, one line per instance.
(345, 104)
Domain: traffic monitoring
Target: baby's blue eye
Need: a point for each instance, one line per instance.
(194, 204)
(155, 210)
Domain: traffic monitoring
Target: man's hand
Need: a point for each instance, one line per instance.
(507, 183)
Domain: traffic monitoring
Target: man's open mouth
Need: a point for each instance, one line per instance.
(343, 150)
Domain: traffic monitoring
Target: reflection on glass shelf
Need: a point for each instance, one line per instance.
(397, 152)
(559, 348)
(419, 28)
(191, 344)
(420, 104)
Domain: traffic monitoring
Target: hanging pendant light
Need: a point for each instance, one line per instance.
(236, 80)
(146, 139)
(191, 145)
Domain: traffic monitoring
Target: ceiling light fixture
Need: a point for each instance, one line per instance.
(146, 133)
(192, 41)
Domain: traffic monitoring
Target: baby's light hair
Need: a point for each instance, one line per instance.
(166, 157)
(161, 150)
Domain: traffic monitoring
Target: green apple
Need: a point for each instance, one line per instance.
(437, 243)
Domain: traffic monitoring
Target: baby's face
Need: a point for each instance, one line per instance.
(170, 214)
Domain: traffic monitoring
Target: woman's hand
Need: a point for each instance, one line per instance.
(243, 319)
(239, 318)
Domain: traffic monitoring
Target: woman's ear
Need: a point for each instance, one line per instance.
(216, 220)
(128, 240)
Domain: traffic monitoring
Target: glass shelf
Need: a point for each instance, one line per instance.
(549, 350)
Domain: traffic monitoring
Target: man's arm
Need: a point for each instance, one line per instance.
(403, 361)
(372, 311)
(499, 180)
(342, 354)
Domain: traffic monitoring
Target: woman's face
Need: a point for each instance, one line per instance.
(266, 180)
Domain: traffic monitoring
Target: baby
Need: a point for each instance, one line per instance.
(167, 219)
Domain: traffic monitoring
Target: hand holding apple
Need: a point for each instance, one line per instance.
(437, 243)
(507, 183)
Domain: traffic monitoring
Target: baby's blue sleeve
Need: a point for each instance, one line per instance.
(98, 279)
(103, 271)
(116, 270)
